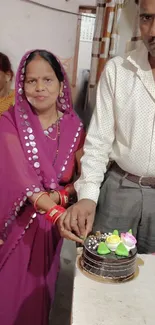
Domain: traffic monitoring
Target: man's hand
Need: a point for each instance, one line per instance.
(64, 233)
(78, 219)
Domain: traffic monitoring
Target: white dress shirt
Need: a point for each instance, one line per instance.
(123, 123)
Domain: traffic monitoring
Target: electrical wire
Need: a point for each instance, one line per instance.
(58, 10)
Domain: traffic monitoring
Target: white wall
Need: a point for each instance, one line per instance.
(84, 61)
(25, 26)
(85, 45)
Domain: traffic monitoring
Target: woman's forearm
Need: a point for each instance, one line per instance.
(44, 201)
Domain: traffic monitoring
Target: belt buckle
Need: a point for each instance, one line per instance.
(144, 186)
(140, 182)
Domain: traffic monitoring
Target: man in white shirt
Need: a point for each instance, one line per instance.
(122, 130)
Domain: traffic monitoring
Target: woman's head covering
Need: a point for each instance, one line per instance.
(27, 157)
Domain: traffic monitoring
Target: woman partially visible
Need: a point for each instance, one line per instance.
(6, 75)
(41, 145)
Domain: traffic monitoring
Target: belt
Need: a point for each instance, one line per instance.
(142, 181)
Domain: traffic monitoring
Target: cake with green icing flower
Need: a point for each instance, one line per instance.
(110, 255)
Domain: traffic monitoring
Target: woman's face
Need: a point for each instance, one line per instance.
(41, 85)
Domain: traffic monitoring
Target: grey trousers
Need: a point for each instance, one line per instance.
(124, 205)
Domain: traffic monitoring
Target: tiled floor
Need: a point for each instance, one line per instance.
(61, 311)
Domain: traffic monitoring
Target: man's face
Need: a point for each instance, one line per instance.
(147, 24)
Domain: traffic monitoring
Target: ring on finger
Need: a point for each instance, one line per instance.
(74, 219)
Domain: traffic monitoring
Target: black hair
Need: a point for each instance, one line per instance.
(5, 64)
(137, 2)
(51, 59)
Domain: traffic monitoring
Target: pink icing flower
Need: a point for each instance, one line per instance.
(128, 239)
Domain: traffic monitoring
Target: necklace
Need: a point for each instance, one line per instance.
(58, 143)
(47, 133)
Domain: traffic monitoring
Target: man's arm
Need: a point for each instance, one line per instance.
(79, 218)
(99, 139)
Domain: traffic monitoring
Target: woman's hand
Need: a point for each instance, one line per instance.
(64, 233)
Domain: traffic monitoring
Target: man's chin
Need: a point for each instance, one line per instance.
(151, 50)
(152, 53)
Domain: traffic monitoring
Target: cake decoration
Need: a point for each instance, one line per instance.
(122, 250)
(103, 249)
(112, 242)
(94, 240)
(110, 255)
(115, 232)
(128, 240)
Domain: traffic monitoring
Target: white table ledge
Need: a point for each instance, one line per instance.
(130, 303)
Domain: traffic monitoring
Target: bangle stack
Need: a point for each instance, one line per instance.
(64, 196)
(54, 214)
(64, 203)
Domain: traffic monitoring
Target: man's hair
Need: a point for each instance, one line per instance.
(137, 2)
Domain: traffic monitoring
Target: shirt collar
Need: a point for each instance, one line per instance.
(139, 57)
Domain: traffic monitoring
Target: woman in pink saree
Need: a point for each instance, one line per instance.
(41, 145)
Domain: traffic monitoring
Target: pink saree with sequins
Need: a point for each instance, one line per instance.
(29, 258)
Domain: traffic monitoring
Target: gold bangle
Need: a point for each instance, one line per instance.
(39, 196)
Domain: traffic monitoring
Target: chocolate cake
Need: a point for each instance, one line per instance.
(110, 256)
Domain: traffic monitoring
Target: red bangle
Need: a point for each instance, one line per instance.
(64, 195)
(54, 213)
